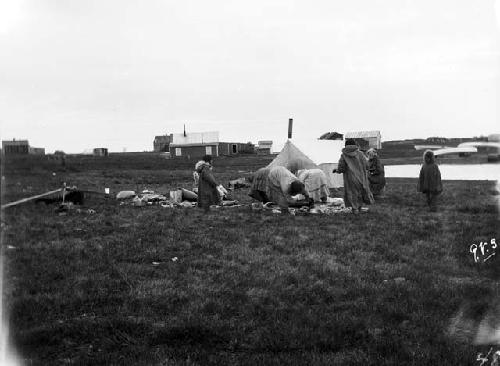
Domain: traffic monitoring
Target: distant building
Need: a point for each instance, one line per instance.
(37, 150)
(198, 144)
(236, 148)
(366, 139)
(331, 136)
(10, 147)
(162, 143)
(15, 147)
(194, 150)
(20, 147)
(101, 151)
(264, 147)
(194, 144)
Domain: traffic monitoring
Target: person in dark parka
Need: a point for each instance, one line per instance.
(208, 194)
(260, 183)
(353, 165)
(376, 173)
(429, 180)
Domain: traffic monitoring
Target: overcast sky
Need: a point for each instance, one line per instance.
(75, 75)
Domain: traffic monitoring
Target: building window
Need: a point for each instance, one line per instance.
(178, 151)
(208, 150)
(235, 149)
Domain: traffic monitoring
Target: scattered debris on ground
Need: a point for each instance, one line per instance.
(332, 206)
(239, 183)
(67, 207)
(178, 198)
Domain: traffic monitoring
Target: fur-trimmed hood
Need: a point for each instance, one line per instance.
(200, 165)
(371, 153)
(350, 150)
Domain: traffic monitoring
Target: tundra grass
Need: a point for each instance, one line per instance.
(156, 286)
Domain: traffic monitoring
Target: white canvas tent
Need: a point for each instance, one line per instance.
(322, 154)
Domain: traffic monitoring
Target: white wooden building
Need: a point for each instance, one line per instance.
(374, 138)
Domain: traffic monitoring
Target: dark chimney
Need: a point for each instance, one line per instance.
(290, 127)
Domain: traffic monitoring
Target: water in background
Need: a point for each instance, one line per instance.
(448, 172)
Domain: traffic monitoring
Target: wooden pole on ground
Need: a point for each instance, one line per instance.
(30, 198)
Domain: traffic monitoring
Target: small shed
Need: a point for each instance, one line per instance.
(37, 150)
(161, 143)
(264, 147)
(366, 139)
(101, 151)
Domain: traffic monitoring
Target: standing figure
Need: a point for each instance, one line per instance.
(259, 187)
(353, 165)
(207, 186)
(429, 181)
(376, 173)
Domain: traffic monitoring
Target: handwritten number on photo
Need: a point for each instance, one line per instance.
(487, 250)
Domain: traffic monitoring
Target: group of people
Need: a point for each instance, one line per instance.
(364, 179)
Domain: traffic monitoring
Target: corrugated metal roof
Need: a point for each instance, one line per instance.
(362, 134)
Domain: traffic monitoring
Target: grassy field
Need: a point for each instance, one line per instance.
(247, 287)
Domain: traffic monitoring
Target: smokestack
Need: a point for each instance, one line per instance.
(290, 127)
(184, 130)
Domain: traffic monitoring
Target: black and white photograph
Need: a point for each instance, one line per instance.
(227, 182)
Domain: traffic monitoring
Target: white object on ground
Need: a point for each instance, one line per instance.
(138, 202)
(176, 196)
(222, 191)
(125, 194)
